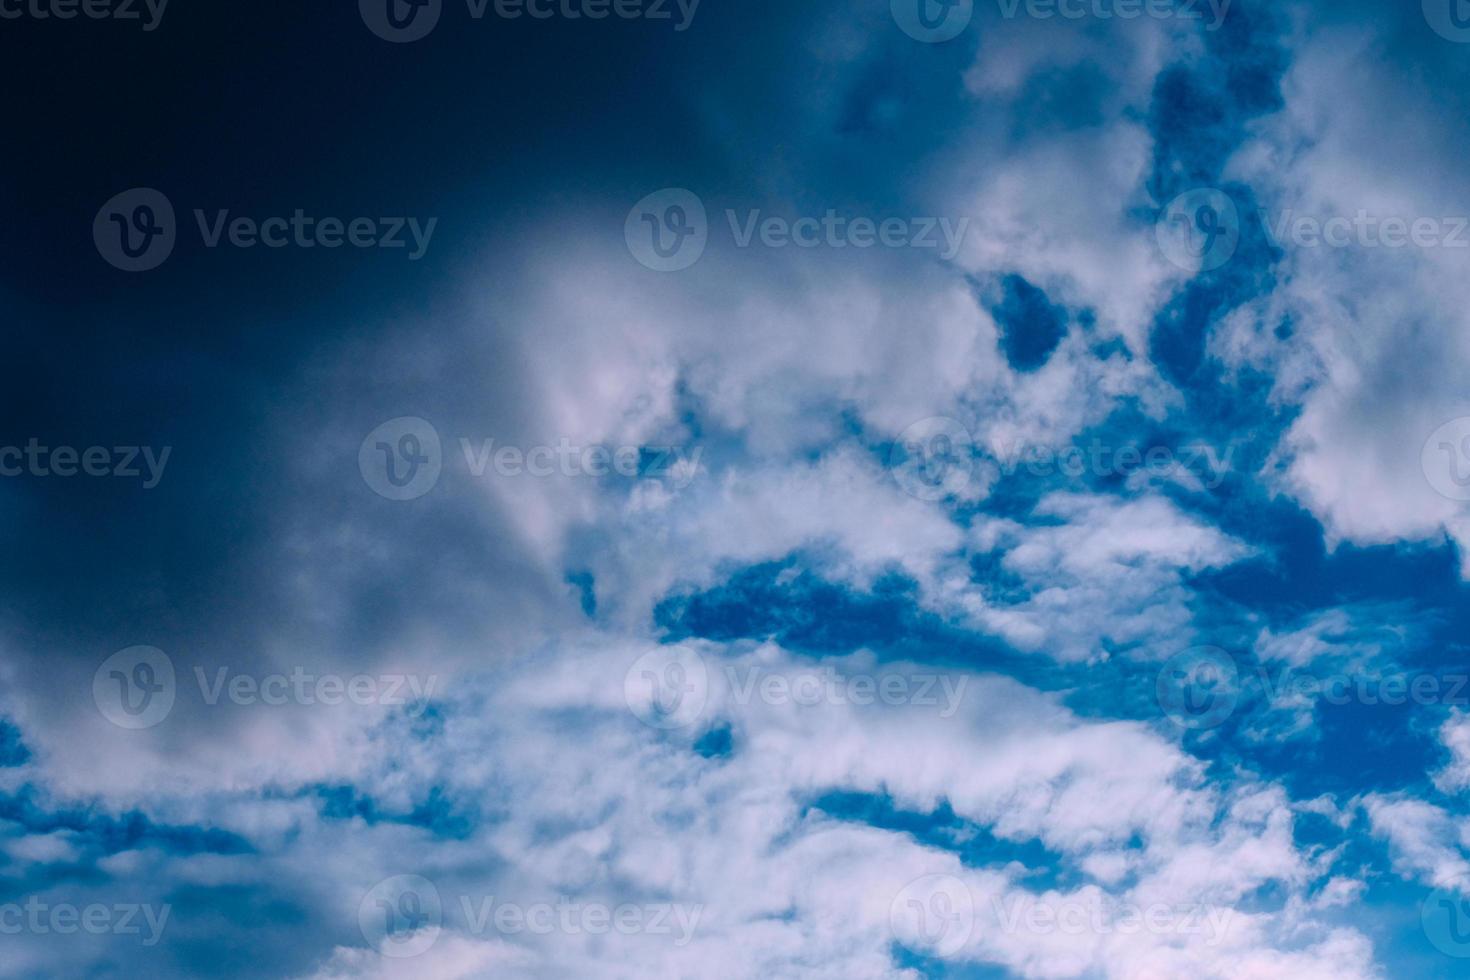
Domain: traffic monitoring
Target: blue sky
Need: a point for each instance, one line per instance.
(966, 490)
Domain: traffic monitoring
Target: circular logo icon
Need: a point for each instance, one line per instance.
(134, 688)
(1197, 688)
(135, 231)
(1199, 230)
(401, 459)
(933, 915)
(1446, 459)
(1445, 916)
(933, 459)
(667, 230)
(667, 688)
(401, 916)
(932, 21)
(1449, 18)
(400, 21)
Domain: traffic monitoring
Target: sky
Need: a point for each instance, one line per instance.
(970, 489)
